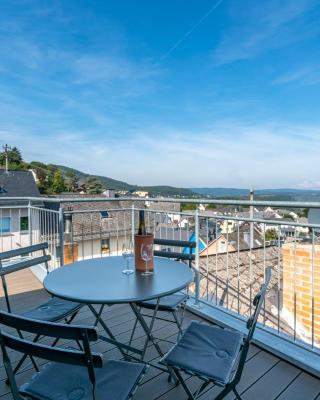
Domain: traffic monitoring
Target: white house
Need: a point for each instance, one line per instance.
(14, 220)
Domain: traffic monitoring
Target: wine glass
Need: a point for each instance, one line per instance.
(146, 255)
(127, 253)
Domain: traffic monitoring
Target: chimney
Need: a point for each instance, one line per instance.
(70, 247)
(68, 224)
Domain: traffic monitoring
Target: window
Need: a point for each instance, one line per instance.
(24, 223)
(105, 246)
(5, 225)
(223, 246)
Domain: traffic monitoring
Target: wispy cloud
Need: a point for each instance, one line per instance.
(226, 154)
(307, 75)
(262, 26)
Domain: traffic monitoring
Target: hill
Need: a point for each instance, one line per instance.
(120, 185)
(282, 194)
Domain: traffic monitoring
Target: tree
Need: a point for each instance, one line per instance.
(42, 176)
(14, 159)
(271, 234)
(71, 181)
(58, 185)
(93, 185)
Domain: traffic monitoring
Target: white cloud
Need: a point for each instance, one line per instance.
(222, 155)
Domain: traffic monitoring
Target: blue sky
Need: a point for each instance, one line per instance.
(197, 93)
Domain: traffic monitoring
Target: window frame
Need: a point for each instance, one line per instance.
(5, 232)
(20, 226)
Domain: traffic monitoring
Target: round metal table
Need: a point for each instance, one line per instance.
(101, 281)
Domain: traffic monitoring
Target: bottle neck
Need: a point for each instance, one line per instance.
(142, 226)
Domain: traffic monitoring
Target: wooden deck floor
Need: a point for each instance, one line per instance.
(265, 376)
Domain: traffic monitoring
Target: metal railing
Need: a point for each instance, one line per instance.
(25, 224)
(232, 252)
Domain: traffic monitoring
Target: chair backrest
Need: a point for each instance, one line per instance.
(83, 334)
(176, 255)
(19, 265)
(252, 322)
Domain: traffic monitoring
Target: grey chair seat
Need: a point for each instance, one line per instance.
(53, 310)
(207, 351)
(116, 380)
(167, 303)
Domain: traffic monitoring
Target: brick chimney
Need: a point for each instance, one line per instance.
(298, 288)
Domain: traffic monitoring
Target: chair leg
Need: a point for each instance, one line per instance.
(24, 357)
(183, 384)
(18, 366)
(37, 337)
(179, 323)
(237, 394)
(201, 388)
(224, 392)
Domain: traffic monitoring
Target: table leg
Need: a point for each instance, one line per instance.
(147, 329)
(112, 339)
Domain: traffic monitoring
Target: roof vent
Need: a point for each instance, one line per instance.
(104, 214)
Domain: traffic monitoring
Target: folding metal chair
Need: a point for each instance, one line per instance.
(174, 302)
(215, 355)
(72, 374)
(53, 310)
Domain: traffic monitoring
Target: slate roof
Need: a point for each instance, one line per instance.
(241, 241)
(17, 184)
(89, 223)
(219, 283)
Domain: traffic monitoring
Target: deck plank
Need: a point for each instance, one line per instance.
(303, 387)
(270, 385)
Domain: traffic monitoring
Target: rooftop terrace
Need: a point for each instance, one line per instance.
(265, 375)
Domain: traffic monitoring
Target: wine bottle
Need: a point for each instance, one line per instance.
(142, 226)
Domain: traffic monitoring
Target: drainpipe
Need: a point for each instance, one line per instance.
(132, 224)
(61, 236)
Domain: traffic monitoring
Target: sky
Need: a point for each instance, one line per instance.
(197, 93)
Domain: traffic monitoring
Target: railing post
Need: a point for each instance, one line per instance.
(197, 265)
(29, 223)
(61, 236)
(132, 224)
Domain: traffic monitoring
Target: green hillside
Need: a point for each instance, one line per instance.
(120, 185)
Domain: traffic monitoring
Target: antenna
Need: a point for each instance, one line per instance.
(251, 217)
(6, 149)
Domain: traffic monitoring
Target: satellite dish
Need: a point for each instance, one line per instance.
(314, 217)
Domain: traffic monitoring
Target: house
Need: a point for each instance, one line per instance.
(97, 229)
(234, 241)
(109, 192)
(140, 193)
(14, 216)
(201, 244)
